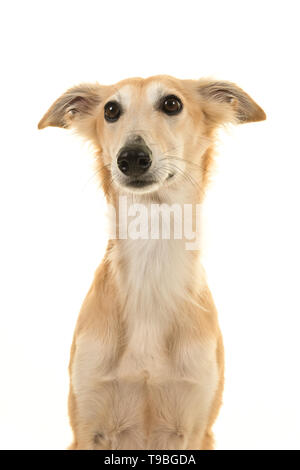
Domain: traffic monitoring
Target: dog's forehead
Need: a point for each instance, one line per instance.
(150, 92)
(155, 90)
(125, 94)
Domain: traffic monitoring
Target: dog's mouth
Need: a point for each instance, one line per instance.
(140, 183)
(144, 182)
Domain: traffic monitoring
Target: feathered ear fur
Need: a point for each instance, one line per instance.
(75, 105)
(226, 102)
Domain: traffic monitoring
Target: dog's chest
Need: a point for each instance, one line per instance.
(147, 374)
(155, 278)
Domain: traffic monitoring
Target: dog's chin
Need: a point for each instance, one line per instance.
(144, 185)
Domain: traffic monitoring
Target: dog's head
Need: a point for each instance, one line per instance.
(152, 133)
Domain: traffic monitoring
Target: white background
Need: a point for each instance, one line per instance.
(52, 210)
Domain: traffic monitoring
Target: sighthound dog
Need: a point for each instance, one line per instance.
(147, 361)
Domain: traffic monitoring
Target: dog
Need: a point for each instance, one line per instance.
(147, 359)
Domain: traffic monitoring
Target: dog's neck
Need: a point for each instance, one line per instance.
(155, 273)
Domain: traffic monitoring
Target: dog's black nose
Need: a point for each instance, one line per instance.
(134, 160)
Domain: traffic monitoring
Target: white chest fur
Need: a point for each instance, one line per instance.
(176, 392)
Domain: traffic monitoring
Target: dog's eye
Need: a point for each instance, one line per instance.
(171, 105)
(112, 111)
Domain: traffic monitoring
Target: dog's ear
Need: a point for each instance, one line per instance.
(225, 102)
(75, 105)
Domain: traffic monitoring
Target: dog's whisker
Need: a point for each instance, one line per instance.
(187, 177)
(185, 161)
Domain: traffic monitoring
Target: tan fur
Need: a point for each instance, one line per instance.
(147, 360)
